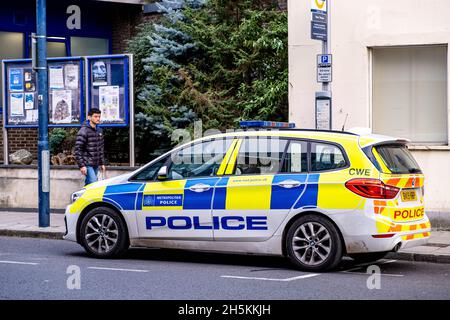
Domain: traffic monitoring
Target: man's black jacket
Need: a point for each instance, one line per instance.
(89, 146)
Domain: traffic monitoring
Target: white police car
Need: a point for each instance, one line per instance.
(312, 196)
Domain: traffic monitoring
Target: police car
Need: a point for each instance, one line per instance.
(312, 196)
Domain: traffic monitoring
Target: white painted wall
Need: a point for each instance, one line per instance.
(355, 27)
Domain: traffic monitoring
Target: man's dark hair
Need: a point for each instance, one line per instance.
(94, 111)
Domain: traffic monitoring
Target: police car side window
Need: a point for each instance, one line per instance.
(198, 160)
(260, 155)
(296, 158)
(326, 157)
(150, 172)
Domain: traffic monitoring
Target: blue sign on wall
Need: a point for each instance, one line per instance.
(15, 80)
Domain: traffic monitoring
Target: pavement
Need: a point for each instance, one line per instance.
(25, 224)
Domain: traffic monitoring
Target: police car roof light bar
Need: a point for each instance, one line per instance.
(266, 124)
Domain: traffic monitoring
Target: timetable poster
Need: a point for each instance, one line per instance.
(56, 77)
(17, 105)
(109, 102)
(71, 78)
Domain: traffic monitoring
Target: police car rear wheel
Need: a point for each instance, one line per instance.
(103, 233)
(313, 244)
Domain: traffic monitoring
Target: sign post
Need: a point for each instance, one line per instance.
(324, 73)
(320, 30)
(43, 147)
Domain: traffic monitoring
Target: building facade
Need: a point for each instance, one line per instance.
(390, 73)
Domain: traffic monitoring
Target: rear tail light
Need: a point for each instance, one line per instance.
(383, 236)
(372, 188)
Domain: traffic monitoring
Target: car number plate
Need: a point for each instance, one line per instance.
(409, 195)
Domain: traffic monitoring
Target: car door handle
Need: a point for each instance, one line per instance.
(200, 187)
(288, 184)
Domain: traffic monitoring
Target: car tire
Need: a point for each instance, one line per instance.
(103, 233)
(368, 257)
(316, 250)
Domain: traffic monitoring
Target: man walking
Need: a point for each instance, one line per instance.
(89, 147)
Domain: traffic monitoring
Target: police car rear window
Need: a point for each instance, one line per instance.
(398, 159)
(326, 157)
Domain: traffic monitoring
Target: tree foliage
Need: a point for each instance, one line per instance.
(220, 61)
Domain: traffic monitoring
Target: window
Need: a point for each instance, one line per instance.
(410, 93)
(81, 46)
(199, 159)
(296, 158)
(56, 49)
(11, 48)
(150, 172)
(398, 159)
(260, 156)
(326, 157)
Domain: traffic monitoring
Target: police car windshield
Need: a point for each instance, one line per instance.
(398, 159)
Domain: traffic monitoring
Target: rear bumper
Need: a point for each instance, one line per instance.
(361, 244)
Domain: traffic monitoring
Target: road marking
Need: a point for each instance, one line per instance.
(273, 279)
(360, 266)
(19, 262)
(118, 269)
(381, 274)
(388, 261)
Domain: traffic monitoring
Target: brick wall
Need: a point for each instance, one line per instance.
(20, 139)
(125, 21)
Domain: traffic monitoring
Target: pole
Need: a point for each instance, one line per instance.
(131, 82)
(43, 149)
(326, 49)
(4, 130)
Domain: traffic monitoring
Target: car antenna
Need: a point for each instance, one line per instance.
(345, 121)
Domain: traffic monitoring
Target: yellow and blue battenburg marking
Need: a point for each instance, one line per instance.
(220, 194)
(283, 198)
(122, 196)
(225, 193)
(199, 200)
(308, 200)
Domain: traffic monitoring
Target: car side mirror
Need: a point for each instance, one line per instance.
(162, 173)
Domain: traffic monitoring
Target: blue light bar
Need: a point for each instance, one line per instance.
(266, 124)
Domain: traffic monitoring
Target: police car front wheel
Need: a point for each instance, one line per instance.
(313, 244)
(103, 233)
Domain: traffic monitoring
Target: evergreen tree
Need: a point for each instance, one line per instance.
(219, 61)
